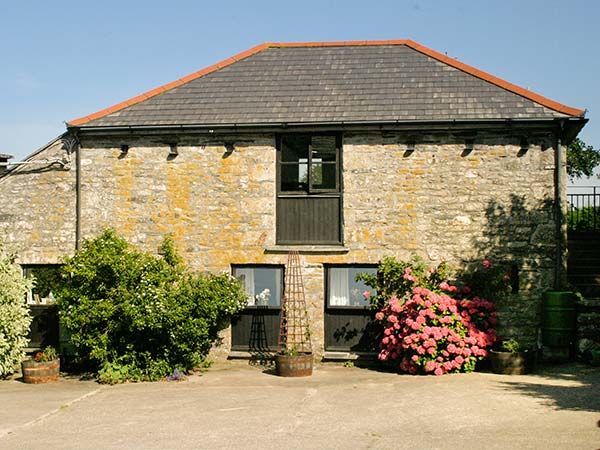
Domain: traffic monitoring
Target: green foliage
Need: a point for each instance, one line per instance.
(290, 351)
(47, 354)
(584, 219)
(582, 159)
(47, 279)
(14, 313)
(135, 316)
(114, 373)
(511, 346)
(488, 279)
(169, 252)
(397, 277)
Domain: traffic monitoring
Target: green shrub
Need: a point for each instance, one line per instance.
(136, 316)
(511, 346)
(584, 219)
(392, 278)
(14, 313)
(488, 279)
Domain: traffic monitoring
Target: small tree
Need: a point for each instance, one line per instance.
(14, 313)
(136, 316)
(582, 159)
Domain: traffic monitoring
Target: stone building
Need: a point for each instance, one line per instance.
(345, 151)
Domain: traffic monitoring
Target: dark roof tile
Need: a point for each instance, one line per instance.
(329, 84)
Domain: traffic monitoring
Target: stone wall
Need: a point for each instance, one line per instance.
(438, 201)
(37, 208)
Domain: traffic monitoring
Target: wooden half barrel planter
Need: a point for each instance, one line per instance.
(35, 372)
(294, 365)
(511, 363)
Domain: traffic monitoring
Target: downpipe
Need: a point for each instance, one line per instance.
(558, 269)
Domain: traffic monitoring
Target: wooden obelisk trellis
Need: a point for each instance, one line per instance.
(294, 333)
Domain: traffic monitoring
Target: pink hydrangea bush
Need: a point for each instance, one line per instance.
(434, 333)
(435, 327)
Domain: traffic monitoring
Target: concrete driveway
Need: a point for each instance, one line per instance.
(235, 406)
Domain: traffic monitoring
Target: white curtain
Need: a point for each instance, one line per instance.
(275, 299)
(246, 276)
(339, 289)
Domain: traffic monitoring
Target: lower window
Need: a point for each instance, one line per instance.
(44, 328)
(256, 328)
(349, 324)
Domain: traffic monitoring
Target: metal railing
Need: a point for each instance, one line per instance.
(584, 209)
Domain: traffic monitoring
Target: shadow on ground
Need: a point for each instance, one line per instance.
(571, 388)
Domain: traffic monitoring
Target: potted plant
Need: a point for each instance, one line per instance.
(290, 362)
(294, 358)
(510, 358)
(43, 367)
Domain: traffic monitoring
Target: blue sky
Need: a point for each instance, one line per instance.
(64, 59)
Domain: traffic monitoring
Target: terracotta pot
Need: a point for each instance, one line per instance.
(40, 372)
(511, 363)
(294, 366)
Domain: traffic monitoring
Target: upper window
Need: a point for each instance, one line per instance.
(262, 283)
(309, 189)
(343, 290)
(309, 164)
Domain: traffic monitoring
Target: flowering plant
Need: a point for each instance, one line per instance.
(398, 277)
(262, 299)
(489, 279)
(433, 326)
(431, 332)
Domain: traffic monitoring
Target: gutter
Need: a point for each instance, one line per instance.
(408, 125)
(45, 162)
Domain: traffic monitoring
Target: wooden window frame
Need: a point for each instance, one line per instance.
(327, 267)
(263, 266)
(310, 190)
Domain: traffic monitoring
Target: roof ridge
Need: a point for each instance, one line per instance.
(537, 98)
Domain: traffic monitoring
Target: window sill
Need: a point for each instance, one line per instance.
(340, 355)
(246, 354)
(307, 249)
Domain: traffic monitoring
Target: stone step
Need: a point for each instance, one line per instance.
(588, 326)
(589, 303)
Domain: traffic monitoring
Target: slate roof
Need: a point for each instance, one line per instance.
(365, 81)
